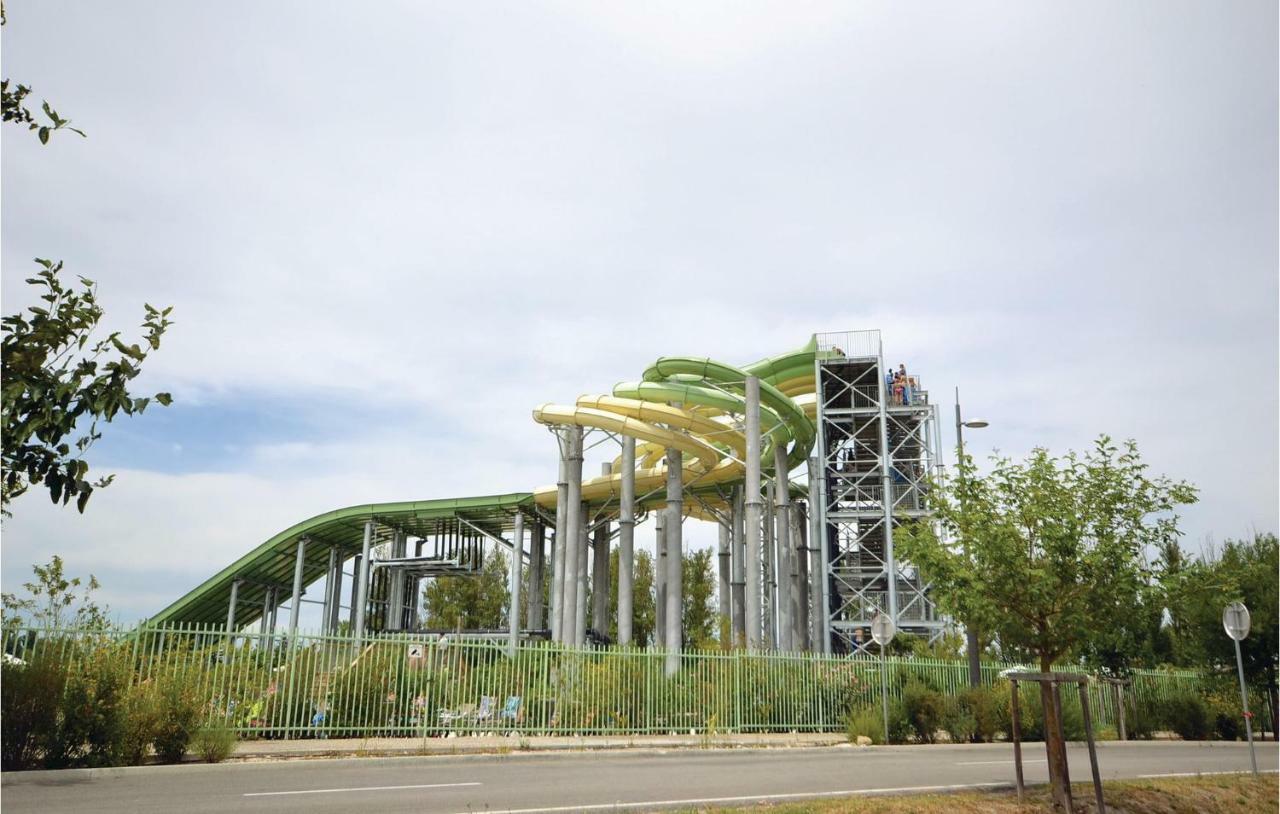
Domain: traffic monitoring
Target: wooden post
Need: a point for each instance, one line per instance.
(1093, 752)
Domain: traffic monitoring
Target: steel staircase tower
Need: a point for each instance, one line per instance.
(874, 456)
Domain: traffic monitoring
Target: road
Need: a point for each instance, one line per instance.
(542, 783)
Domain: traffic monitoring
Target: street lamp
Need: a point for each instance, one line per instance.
(971, 635)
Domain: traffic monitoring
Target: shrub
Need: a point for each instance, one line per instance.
(142, 715)
(925, 709)
(1225, 718)
(1187, 716)
(90, 725)
(1031, 712)
(1142, 718)
(214, 744)
(30, 695)
(958, 721)
(179, 718)
(972, 716)
(869, 722)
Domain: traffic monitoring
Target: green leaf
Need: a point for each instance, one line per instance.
(44, 135)
(164, 399)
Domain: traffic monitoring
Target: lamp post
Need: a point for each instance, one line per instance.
(971, 635)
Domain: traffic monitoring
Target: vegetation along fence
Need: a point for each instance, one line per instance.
(407, 685)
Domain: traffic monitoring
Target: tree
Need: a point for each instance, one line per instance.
(54, 600)
(643, 610)
(54, 380)
(700, 616)
(1197, 591)
(1054, 552)
(475, 602)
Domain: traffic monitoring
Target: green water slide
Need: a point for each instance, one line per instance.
(710, 395)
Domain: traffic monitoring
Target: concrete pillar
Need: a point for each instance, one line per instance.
(570, 544)
(558, 548)
(362, 581)
(626, 541)
(537, 560)
(299, 563)
(751, 503)
(517, 561)
(600, 572)
(725, 589)
(675, 559)
(739, 566)
(231, 606)
(660, 577)
(580, 618)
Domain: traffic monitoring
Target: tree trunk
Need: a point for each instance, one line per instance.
(1054, 745)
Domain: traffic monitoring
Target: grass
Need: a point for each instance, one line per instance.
(1228, 794)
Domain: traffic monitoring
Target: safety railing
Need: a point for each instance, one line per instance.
(313, 686)
(853, 344)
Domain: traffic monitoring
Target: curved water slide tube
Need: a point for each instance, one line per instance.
(696, 405)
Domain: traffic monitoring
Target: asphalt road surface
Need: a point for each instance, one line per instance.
(541, 783)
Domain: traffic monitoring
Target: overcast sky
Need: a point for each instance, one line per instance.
(389, 230)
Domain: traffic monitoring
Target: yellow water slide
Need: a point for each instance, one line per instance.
(695, 405)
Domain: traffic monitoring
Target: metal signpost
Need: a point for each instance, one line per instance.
(882, 630)
(1235, 620)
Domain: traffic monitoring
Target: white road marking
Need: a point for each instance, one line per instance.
(1008, 762)
(1204, 774)
(358, 788)
(750, 798)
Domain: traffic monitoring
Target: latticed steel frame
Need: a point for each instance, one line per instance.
(874, 458)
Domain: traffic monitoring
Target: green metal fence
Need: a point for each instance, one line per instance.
(410, 685)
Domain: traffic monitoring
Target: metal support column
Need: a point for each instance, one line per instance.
(231, 606)
(267, 594)
(769, 567)
(660, 577)
(362, 581)
(804, 628)
(675, 558)
(738, 562)
(395, 586)
(335, 610)
(517, 560)
(295, 605)
(600, 571)
(785, 573)
(537, 563)
(580, 617)
(332, 589)
(626, 540)
(570, 543)
(751, 502)
(355, 591)
(724, 587)
(557, 544)
(886, 480)
(820, 579)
